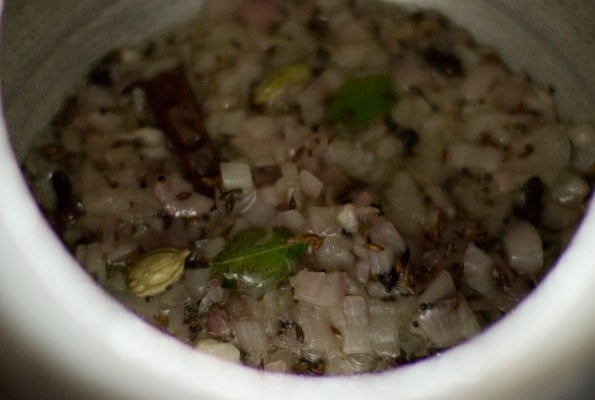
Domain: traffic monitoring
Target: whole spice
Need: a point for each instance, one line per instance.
(155, 271)
(178, 114)
(274, 85)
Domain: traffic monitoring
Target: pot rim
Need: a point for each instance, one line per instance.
(525, 350)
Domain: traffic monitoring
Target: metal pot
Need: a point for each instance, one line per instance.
(61, 336)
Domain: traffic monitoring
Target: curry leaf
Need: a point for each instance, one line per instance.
(362, 100)
(258, 258)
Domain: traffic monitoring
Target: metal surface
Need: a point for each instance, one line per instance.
(61, 335)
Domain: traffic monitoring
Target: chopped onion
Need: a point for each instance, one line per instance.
(270, 311)
(474, 157)
(362, 271)
(335, 253)
(319, 288)
(583, 140)
(523, 248)
(191, 207)
(407, 204)
(291, 219)
(250, 335)
(269, 196)
(380, 261)
(363, 199)
(150, 137)
(383, 329)
(477, 270)
(236, 175)
(276, 366)
(480, 79)
(95, 262)
(386, 235)
(196, 281)
(260, 14)
(210, 248)
(448, 322)
(323, 220)
(509, 92)
(310, 184)
(218, 321)
(356, 338)
(256, 211)
(347, 218)
(121, 251)
(440, 199)
(260, 127)
(175, 297)
(570, 189)
(318, 336)
(226, 351)
(441, 287)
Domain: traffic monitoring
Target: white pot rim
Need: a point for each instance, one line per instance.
(58, 313)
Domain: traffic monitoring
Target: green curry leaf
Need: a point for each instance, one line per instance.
(362, 100)
(258, 258)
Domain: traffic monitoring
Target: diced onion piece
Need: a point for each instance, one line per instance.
(250, 335)
(362, 271)
(323, 220)
(222, 350)
(480, 79)
(571, 189)
(386, 235)
(448, 322)
(95, 262)
(218, 321)
(335, 253)
(477, 270)
(213, 247)
(150, 137)
(406, 204)
(276, 366)
(311, 185)
(441, 200)
(289, 172)
(583, 139)
(191, 207)
(197, 280)
(347, 218)
(356, 339)
(319, 288)
(582, 135)
(236, 175)
(474, 157)
(292, 220)
(381, 261)
(383, 329)
(318, 337)
(551, 154)
(122, 251)
(256, 211)
(523, 249)
(440, 288)
(260, 127)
